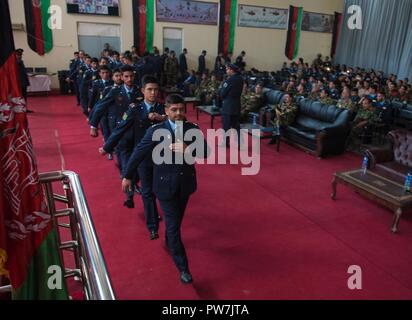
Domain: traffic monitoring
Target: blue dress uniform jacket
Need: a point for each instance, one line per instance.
(169, 179)
(136, 122)
(97, 90)
(172, 184)
(230, 93)
(115, 104)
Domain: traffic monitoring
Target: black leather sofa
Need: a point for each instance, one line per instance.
(319, 129)
(322, 129)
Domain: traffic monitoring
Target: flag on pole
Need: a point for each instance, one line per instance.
(294, 29)
(143, 25)
(227, 26)
(28, 242)
(39, 34)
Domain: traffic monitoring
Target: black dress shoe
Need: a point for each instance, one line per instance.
(186, 277)
(129, 203)
(154, 235)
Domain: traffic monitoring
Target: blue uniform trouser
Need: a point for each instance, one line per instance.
(231, 122)
(124, 155)
(77, 91)
(104, 124)
(149, 200)
(174, 210)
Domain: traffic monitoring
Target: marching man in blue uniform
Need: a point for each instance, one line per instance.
(96, 94)
(175, 181)
(115, 104)
(136, 121)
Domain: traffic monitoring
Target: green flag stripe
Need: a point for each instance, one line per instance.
(47, 32)
(233, 9)
(298, 30)
(149, 25)
(35, 286)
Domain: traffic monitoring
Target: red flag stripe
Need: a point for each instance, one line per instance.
(293, 34)
(142, 21)
(38, 29)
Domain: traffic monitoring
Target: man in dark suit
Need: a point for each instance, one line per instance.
(183, 64)
(24, 78)
(117, 102)
(230, 94)
(174, 179)
(202, 62)
(138, 119)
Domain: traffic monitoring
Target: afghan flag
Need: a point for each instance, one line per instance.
(143, 25)
(28, 241)
(227, 26)
(336, 33)
(39, 34)
(294, 28)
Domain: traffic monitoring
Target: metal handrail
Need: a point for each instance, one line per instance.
(96, 280)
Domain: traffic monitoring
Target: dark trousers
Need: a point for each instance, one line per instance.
(104, 124)
(149, 200)
(231, 122)
(24, 93)
(174, 210)
(77, 91)
(124, 155)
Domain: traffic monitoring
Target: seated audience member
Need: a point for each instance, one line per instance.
(403, 94)
(324, 98)
(189, 85)
(373, 92)
(315, 94)
(284, 115)
(301, 92)
(252, 101)
(364, 121)
(202, 88)
(333, 92)
(354, 96)
(345, 102)
(383, 109)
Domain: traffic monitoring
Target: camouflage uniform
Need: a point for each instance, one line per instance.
(371, 116)
(327, 100)
(313, 96)
(211, 92)
(349, 105)
(250, 102)
(287, 114)
(172, 71)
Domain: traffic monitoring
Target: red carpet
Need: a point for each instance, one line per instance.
(277, 235)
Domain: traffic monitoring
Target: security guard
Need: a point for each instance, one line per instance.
(138, 119)
(230, 94)
(120, 97)
(90, 75)
(174, 182)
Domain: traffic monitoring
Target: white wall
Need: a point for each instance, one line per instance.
(264, 47)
